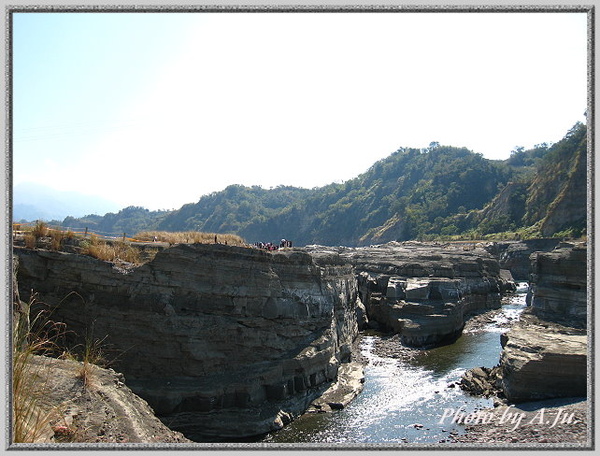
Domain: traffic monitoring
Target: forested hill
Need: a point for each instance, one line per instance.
(412, 194)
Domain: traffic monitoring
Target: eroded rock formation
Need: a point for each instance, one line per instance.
(223, 342)
(558, 289)
(100, 410)
(514, 255)
(545, 354)
(542, 360)
(424, 291)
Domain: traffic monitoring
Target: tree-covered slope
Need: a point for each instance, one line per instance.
(233, 209)
(549, 198)
(398, 198)
(130, 220)
(412, 194)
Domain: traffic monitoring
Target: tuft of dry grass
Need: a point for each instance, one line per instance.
(111, 251)
(30, 241)
(30, 381)
(190, 237)
(40, 229)
(56, 239)
(92, 355)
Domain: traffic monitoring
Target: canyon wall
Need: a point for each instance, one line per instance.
(514, 255)
(223, 342)
(424, 292)
(545, 354)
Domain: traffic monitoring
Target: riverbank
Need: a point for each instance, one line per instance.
(561, 422)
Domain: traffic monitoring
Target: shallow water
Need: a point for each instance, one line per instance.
(409, 401)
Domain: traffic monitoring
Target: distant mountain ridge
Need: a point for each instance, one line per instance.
(412, 194)
(38, 202)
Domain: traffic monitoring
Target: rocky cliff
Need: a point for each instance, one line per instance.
(514, 255)
(424, 292)
(223, 342)
(545, 354)
(558, 285)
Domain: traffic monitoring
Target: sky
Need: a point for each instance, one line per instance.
(158, 109)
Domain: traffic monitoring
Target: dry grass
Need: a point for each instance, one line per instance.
(34, 418)
(190, 237)
(30, 241)
(56, 239)
(30, 381)
(110, 250)
(40, 229)
(118, 250)
(92, 355)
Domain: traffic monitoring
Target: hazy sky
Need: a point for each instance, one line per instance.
(157, 109)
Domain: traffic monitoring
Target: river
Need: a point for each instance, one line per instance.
(411, 400)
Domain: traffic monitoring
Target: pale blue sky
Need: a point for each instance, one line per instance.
(157, 109)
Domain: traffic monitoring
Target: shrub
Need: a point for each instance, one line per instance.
(30, 241)
(40, 229)
(56, 238)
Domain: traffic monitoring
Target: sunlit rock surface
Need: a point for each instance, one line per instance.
(223, 342)
(545, 354)
(424, 291)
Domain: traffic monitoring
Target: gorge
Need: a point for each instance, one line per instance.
(229, 342)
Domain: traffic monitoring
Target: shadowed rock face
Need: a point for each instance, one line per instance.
(223, 342)
(558, 290)
(545, 354)
(514, 255)
(423, 291)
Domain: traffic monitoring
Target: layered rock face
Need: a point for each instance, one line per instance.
(514, 255)
(543, 360)
(424, 291)
(545, 354)
(223, 342)
(558, 289)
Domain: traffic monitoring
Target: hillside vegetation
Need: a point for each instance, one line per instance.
(436, 192)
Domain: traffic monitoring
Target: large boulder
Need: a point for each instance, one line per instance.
(543, 360)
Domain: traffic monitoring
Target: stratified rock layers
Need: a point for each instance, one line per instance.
(223, 342)
(545, 354)
(558, 290)
(542, 360)
(424, 292)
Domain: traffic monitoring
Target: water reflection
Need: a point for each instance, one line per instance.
(403, 401)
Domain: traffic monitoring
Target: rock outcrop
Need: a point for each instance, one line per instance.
(558, 285)
(223, 342)
(569, 208)
(542, 360)
(423, 291)
(99, 409)
(545, 354)
(514, 255)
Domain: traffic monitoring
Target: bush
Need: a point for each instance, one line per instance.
(40, 229)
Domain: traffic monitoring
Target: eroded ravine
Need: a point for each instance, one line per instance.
(409, 393)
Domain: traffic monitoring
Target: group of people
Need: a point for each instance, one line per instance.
(269, 246)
